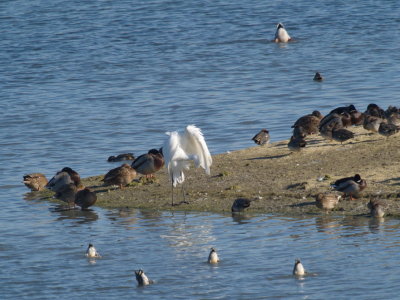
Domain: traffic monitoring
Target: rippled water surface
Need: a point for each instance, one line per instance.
(83, 80)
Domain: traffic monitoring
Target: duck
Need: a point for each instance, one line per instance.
(327, 201)
(91, 252)
(213, 257)
(330, 122)
(67, 194)
(342, 109)
(35, 181)
(387, 129)
(377, 208)
(281, 35)
(149, 163)
(308, 124)
(298, 269)
(392, 114)
(142, 279)
(85, 198)
(261, 138)
(63, 177)
(296, 143)
(350, 185)
(372, 123)
(357, 118)
(341, 135)
(318, 77)
(240, 204)
(120, 176)
(374, 110)
(121, 157)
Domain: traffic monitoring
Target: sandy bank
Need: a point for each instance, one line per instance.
(282, 182)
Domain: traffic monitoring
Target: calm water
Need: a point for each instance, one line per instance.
(84, 80)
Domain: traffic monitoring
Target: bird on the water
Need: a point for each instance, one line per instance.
(142, 279)
(179, 149)
(213, 257)
(281, 35)
(318, 77)
(91, 252)
(298, 268)
(240, 204)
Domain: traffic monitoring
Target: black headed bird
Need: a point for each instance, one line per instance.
(261, 138)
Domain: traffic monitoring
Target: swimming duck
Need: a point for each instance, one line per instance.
(35, 181)
(377, 208)
(262, 137)
(281, 35)
(213, 257)
(240, 204)
(120, 176)
(91, 252)
(298, 269)
(149, 163)
(387, 129)
(67, 193)
(350, 186)
(296, 143)
(142, 279)
(308, 124)
(341, 135)
(121, 157)
(372, 123)
(318, 77)
(327, 201)
(85, 198)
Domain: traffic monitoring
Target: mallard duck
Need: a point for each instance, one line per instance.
(357, 118)
(344, 109)
(387, 129)
(331, 122)
(121, 157)
(281, 35)
(308, 124)
(341, 135)
(318, 77)
(261, 138)
(240, 204)
(67, 193)
(296, 143)
(392, 114)
(213, 257)
(377, 208)
(298, 269)
(375, 110)
(91, 252)
(149, 163)
(372, 123)
(327, 201)
(35, 181)
(63, 177)
(120, 176)
(350, 186)
(142, 279)
(85, 198)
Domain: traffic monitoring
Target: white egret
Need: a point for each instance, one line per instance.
(180, 149)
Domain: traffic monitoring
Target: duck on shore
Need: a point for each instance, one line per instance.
(261, 138)
(120, 176)
(121, 157)
(350, 186)
(35, 181)
(149, 163)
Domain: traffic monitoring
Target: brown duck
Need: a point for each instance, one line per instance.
(120, 176)
(35, 181)
(309, 124)
(149, 163)
(85, 198)
(327, 201)
(262, 138)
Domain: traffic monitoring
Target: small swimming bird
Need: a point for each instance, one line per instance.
(240, 204)
(213, 257)
(120, 176)
(308, 124)
(262, 137)
(91, 252)
(327, 201)
(149, 163)
(350, 186)
(377, 208)
(67, 193)
(318, 77)
(121, 157)
(341, 135)
(85, 198)
(142, 279)
(179, 149)
(281, 35)
(296, 143)
(35, 181)
(388, 129)
(298, 269)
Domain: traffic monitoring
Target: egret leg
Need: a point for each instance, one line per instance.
(172, 193)
(183, 194)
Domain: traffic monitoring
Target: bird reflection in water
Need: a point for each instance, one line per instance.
(82, 216)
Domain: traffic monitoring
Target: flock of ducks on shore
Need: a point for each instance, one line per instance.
(213, 259)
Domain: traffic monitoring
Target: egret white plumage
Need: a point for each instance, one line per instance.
(180, 149)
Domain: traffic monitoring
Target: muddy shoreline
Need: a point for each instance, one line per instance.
(281, 182)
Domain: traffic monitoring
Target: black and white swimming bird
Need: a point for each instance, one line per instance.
(213, 257)
(142, 279)
(281, 35)
(298, 269)
(91, 252)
